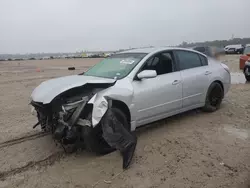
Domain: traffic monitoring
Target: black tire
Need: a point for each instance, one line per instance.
(214, 97)
(247, 78)
(94, 142)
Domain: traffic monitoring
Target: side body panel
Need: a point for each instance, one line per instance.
(195, 77)
(195, 84)
(155, 97)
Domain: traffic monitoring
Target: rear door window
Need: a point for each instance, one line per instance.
(200, 49)
(188, 59)
(203, 60)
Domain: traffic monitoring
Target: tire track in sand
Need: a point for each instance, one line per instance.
(21, 154)
(22, 139)
(47, 161)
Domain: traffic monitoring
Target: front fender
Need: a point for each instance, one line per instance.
(121, 92)
(100, 106)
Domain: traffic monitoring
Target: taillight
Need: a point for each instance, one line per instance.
(225, 67)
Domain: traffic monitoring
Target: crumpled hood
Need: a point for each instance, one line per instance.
(49, 89)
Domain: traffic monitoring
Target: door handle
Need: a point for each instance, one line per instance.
(208, 72)
(176, 82)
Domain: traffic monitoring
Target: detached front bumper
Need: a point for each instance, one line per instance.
(99, 103)
(62, 119)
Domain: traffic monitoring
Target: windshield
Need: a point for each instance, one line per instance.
(118, 65)
(247, 50)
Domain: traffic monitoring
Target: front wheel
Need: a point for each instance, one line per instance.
(214, 97)
(93, 138)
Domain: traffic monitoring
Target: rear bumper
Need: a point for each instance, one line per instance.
(226, 88)
(227, 82)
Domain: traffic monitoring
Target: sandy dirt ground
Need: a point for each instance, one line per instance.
(193, 149)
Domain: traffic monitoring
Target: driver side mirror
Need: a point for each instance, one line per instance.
(147, 74)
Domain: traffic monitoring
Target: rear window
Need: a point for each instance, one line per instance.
(203, 60)
(188, 60)
(200, 49)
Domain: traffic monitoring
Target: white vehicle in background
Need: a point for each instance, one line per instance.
(234, 49)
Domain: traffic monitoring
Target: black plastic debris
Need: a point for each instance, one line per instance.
(117, 136)
(71, 68)
(38, 123)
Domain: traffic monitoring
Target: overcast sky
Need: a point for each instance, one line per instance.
(70, 25)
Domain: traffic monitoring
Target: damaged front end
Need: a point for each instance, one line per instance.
(74, 110)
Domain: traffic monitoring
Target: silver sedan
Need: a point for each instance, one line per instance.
(140, 85)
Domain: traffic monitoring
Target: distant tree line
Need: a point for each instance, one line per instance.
(217, 43)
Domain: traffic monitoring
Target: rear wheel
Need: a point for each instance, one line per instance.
(214, 97)
(93, 138)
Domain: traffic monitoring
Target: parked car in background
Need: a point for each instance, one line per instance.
(234, 49)
(244, 57)
(95, 56)
(207, 50)
(140, 86)
(210, 51)
(245, 62)
(247, 70)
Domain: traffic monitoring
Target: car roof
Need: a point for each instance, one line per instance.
(154, 50)
(233, 45)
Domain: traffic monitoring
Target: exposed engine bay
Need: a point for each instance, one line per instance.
(69, 114)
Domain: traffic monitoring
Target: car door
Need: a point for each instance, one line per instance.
(195, 75)
(154, 98)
